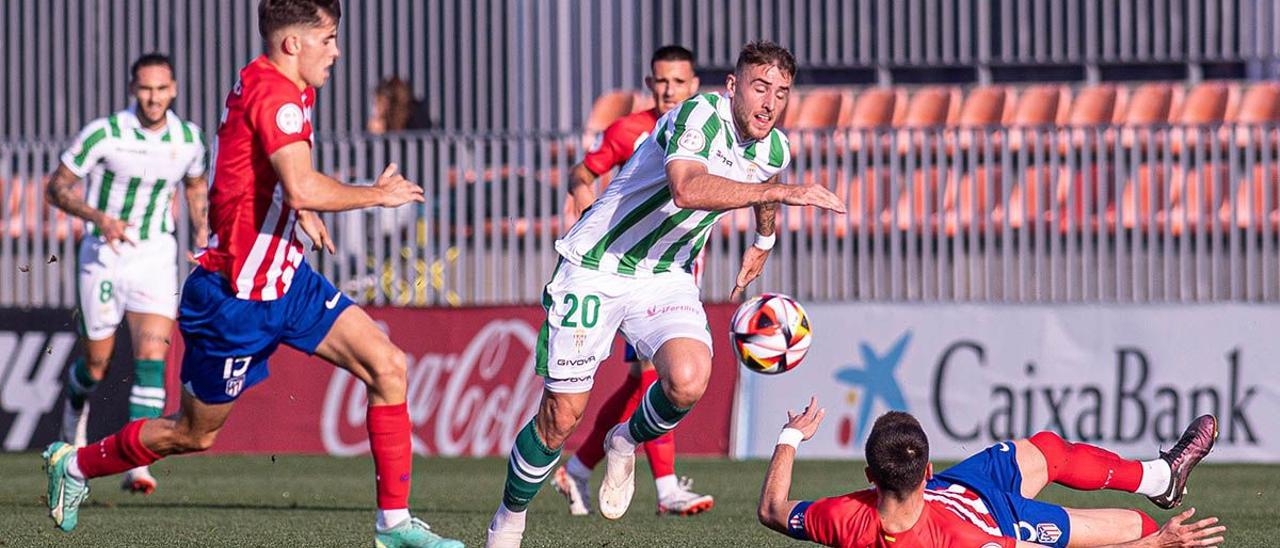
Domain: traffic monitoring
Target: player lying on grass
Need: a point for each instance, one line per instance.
(988, 500)
(252, 291)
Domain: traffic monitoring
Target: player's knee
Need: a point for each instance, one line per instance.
(685, 385)
(389, 371)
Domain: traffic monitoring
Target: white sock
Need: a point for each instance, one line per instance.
(623, 441)
(506, 520)
(667, 485)
(1155, 478)
(73, 467)
(388, 519)
(576, 469)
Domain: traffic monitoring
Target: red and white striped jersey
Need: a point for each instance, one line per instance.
(254, 245)
(953, 517)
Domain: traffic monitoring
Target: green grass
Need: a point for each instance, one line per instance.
(321, 501)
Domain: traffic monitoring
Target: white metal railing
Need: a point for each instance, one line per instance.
(522, 65)
(1085, 214)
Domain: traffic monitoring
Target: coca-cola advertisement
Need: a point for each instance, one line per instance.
(471, 387)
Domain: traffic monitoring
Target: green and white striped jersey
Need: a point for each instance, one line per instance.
(635, 229)
(132, 172)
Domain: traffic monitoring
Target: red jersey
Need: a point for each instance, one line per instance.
(620, 141)
(253, 244)
(949, 520)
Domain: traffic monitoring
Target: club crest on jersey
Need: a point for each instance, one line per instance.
(693, 141)
(234, 386)
(579, 339)
(289, 118)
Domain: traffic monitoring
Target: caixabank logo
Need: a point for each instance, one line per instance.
(1124, 396)
(977, 391)
(873, 380)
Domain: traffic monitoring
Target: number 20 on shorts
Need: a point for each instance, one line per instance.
(587, 308)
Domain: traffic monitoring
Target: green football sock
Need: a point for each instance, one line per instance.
(655, 416)
(530, 464)
(79, 383)
(146, 399)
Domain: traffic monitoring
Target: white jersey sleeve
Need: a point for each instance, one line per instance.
(88, 148)
(198, 162)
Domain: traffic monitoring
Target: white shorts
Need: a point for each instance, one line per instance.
(586, 308)
(138, 278)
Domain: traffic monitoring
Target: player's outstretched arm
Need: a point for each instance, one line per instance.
(692, 187)
(306, 188)
(775, 506)
(62, 194)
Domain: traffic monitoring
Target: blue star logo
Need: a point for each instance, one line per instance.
(876, 380)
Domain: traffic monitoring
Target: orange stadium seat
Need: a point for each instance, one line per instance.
(929, 108)
(984, 108)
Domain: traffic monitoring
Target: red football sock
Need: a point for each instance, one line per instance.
(1148, 525)
(1086, 467)
(116, 453)
(392, 454)
(661, 451)
(611, 413)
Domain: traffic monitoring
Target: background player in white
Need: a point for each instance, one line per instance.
(625, 265)
(133, 161)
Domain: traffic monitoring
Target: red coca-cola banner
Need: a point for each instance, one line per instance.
(472, 386)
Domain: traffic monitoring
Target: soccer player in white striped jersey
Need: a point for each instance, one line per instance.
(134, 162)
(625, 265)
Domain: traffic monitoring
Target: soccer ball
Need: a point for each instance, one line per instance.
(770, 333)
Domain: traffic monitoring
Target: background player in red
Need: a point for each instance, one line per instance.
(987, 500)
(672, 81)
(252, 290)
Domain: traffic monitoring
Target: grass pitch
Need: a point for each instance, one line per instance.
(323, 501)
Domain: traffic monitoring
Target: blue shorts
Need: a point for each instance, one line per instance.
(995, 476)
(228, 340)
(629, 354)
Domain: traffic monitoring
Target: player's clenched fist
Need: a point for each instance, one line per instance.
(813, 195)
(396, 190)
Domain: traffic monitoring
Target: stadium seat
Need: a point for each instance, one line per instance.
(1255, 197)
(818, 110)
(873, 109)
(1141, 196)
(984, 109)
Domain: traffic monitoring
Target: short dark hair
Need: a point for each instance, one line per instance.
(897, 453)
(149, 60)
(671, 53)
(764, 52)
(274, 15)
